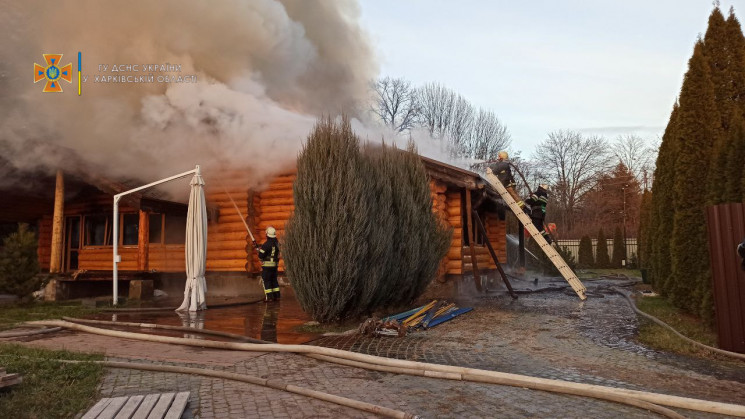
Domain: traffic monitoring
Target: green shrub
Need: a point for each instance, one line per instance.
(602, 260)
(363, 234)
(585, 258)
(19, 264)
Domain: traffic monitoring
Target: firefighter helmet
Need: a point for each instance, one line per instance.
(544, 186)
(503, 155)
(271, 232)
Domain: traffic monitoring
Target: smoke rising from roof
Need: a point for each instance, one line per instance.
(266, 69)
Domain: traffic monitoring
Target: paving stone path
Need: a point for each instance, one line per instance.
(551, 335)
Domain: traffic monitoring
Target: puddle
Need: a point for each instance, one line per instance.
(274, 321)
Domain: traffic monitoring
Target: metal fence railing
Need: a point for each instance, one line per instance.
(632, 251)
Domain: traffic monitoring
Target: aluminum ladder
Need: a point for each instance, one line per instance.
(552, 254)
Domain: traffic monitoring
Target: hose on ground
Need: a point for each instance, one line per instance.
(167, 327)
(147, 309)
(442, 371)
(409, 371)
(29, 333)
(685, 338)
(275, 384)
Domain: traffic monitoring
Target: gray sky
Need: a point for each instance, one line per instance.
(601, 67)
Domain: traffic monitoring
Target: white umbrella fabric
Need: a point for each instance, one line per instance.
(196, 248)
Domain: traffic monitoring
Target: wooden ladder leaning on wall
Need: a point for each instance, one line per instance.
(552, 254)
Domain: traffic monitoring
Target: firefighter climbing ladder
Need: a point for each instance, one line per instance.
(552, 254)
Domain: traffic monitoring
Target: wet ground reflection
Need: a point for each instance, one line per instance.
(273, 321)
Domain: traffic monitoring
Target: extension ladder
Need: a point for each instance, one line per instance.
(552, 254)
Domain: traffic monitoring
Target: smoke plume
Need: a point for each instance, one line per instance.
(265, 70)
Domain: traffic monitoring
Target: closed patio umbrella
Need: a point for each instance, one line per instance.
(196, 248)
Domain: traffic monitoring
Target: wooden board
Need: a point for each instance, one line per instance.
(150, 406)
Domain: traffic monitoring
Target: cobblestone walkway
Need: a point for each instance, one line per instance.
(550, 335)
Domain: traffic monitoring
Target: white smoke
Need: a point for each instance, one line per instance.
(266, 69)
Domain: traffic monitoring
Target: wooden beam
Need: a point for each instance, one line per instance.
(251, 221)
(469, 228)
(55, 263)
(494, 254)
(143, 242)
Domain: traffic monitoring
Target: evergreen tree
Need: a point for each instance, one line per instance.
(735, 161)
(19, 265)
(601, 258)
(737, 61)
(645, 229)
(663, 207)
(698, 123)
(585, 258)
(363, 234)
(619, 249)
(716, 52)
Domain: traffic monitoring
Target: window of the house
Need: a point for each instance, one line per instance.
(130, 228)
(97, 230)
(156, 228)
(175, 229)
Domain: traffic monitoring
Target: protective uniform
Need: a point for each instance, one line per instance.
(741, 252)
(269, 257)
(502, 170)
(538, 201)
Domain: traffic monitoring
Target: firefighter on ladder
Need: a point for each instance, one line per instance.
(501, 169)
(537, 202)
(269, 257)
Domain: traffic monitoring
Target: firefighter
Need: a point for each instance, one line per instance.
(537, 202)
(269, 257)
(501, 169)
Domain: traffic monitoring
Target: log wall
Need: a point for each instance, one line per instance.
(455, 219)
(273, 207)
(440, 208)
(226, 238)
(44, 250)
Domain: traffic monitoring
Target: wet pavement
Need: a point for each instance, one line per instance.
(550, 334)
(276, 321)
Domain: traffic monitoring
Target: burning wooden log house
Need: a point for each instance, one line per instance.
(72, 215)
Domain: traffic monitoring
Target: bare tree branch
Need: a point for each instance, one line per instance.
(395, 103)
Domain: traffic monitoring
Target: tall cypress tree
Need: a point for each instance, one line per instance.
(716, 49)
(737, 60)
(663, 206)
(735, 159)
(619, 249)
(601, 258)
(698, 124)
(645, 229)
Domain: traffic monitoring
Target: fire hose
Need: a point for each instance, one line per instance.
(633, 397)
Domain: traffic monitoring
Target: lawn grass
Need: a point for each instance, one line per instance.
(659, 338)
(50, 389)
(14, 314)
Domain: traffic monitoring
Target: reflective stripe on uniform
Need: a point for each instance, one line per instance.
(267, 291)
(269, 264)
(275, 289)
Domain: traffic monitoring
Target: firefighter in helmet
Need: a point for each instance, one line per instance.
(501, 169)
(537, 202)
(269, 257)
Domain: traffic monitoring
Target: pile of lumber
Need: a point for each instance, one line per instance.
(427, 316)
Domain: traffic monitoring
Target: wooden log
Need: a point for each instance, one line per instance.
(278, 186)
(280, 193)
(227, 254)
(454, 253)
(227, 236)
(235, 264)
(143, 241)
(55, 261)
(277, 224)
(276, 201)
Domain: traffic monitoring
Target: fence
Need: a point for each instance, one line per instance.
(726, 229)
(632, 252)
